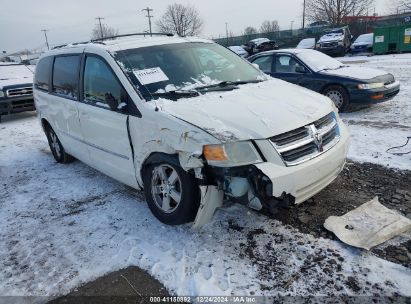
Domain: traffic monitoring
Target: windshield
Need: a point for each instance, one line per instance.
(318, 61)
(367, 38)
(184, 67)
(339, 32)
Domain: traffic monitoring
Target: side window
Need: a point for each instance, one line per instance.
(265, 63)
(42, 74)
(101, 87)
(65, 76)
(286, 64)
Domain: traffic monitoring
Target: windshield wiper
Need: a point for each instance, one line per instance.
(175, 94)
(225, 84)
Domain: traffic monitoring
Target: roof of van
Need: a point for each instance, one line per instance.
(131, 42)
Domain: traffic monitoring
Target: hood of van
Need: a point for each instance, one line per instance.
(252, 111)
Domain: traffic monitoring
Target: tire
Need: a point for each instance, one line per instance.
(172, 194)
(57, 149)
(338, 95)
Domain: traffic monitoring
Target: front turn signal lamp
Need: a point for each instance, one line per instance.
(231, 154)
(215, 153)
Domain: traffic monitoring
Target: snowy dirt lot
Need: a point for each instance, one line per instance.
(64, 225)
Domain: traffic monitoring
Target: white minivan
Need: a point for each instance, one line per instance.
(189, 122)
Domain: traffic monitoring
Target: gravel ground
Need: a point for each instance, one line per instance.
(357, 184)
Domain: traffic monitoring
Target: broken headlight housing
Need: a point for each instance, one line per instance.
(369, 86)
(231, 154)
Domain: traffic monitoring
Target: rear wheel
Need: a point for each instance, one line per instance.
(56, 147)
(172, 194)
(338, 96)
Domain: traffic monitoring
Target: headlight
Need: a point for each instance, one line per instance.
(1, 93)
(231, 154)
(369, 86)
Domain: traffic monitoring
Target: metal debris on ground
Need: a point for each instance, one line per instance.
(368, 225)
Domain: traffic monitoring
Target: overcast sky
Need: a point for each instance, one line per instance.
(73, 20)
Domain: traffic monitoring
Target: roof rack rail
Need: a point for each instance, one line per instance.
(134, 34)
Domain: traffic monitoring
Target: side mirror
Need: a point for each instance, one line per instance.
(111, 101)
(300, 69)
(256, 65)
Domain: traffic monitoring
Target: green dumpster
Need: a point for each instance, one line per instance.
(392, 39)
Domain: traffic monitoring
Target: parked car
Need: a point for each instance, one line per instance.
(307, 43)
(266, 46)
(343, 84)
(188, 121)
(251, 46)
(16, 92)
(335, 42)
(239, 51)
(363, 44)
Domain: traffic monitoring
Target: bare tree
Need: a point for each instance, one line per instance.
(400, 5)
(183, 20)
(334, 11)
(103, 32)
(269, 26)
(249, 30)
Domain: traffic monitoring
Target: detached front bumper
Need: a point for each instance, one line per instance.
(375, 95)
(306, 179)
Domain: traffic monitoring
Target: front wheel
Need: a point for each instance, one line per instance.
(338, 96)
(172, 194)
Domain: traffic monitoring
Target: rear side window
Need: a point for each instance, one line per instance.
(42, 74)
(65, 76)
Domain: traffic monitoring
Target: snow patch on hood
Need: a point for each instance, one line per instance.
(252, 111)
(331, 37)
(356, 72)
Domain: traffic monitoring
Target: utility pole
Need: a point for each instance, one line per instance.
(304, 14)
(45, 35)
(226, 31)
(101, 28)
(148, 10)
(292, 25)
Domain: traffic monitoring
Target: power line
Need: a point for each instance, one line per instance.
(45, 35)
(148, 10)
(101, 28)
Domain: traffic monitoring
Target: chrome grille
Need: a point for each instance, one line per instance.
(304, 143)
(20, 92)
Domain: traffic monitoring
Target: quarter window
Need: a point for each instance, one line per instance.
(42, 74)
(101, 87)
(65, 76)
(265, 63)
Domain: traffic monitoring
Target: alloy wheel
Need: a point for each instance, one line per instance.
(166, 188)
(54, 143)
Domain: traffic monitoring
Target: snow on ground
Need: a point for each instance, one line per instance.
(63, 225)
(381, 126)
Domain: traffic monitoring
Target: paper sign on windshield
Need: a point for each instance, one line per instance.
(152, 75)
